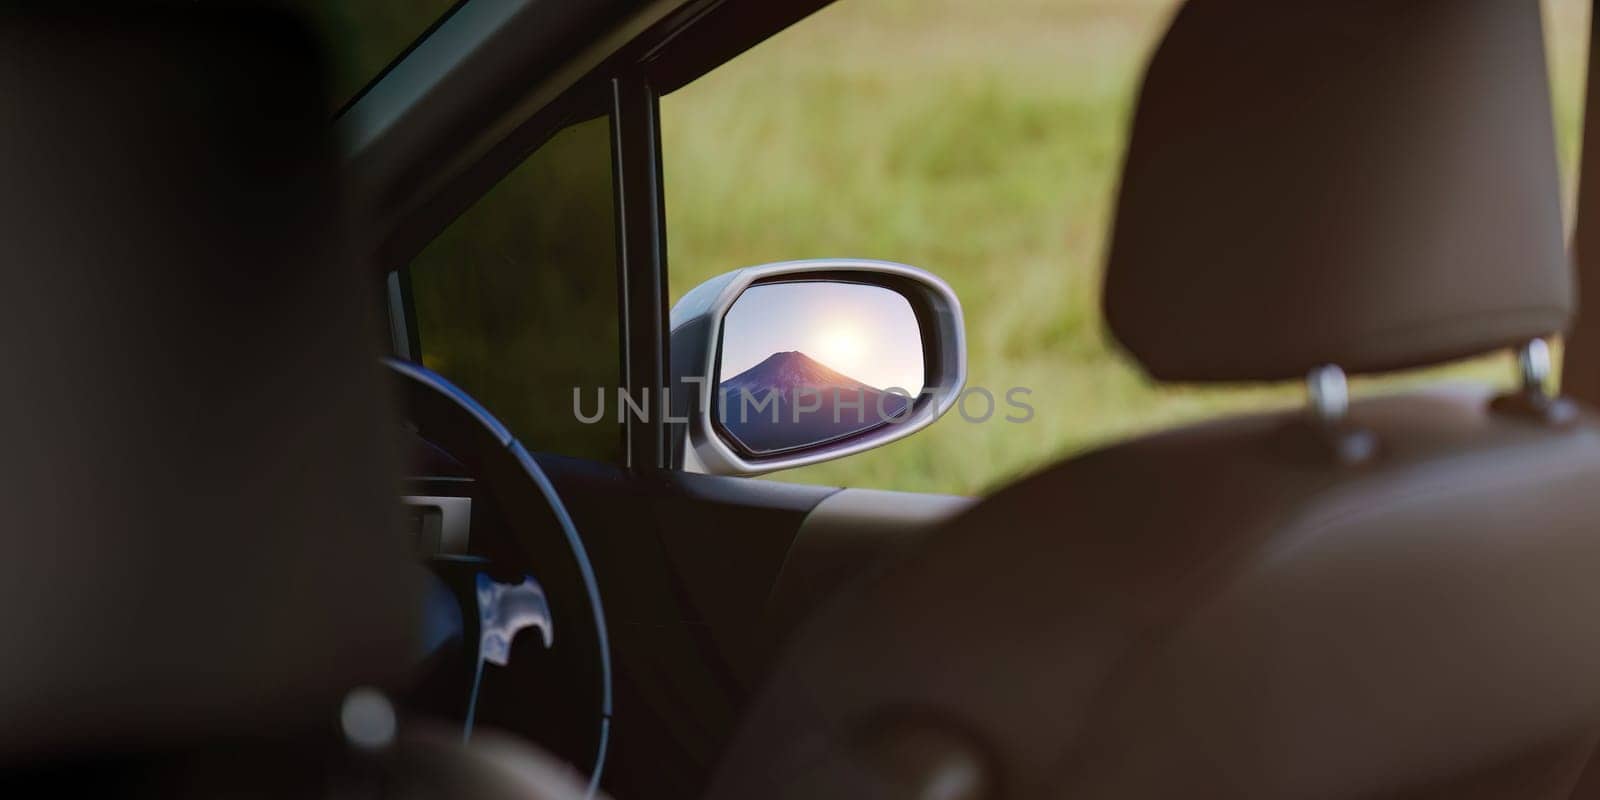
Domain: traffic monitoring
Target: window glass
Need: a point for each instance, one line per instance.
(1566, 34)
(982, 142)
(516, 301)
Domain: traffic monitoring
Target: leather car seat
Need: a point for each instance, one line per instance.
(204, 591)
(1394, 596)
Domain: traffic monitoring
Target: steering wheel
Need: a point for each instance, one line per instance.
(525, 570)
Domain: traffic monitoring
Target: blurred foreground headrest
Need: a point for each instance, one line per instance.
(195, 436)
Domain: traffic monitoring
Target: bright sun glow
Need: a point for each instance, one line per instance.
(840, 348)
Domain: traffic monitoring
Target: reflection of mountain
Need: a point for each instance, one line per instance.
(791, 375)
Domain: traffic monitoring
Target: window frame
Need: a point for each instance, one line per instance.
(632, 111)
(683, 43)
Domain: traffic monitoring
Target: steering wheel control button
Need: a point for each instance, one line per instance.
(504, 610)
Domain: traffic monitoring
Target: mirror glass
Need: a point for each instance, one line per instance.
(810, 362)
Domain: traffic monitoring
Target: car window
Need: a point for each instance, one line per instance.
(516, 301)
(982, 142)
(364, 36)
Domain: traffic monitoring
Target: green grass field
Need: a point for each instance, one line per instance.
(980, 141)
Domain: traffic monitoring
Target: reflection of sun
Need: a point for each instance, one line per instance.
(840, 347)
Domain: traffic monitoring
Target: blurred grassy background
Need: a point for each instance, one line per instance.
(980, 141)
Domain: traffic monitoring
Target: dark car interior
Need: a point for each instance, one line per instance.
(221, 388)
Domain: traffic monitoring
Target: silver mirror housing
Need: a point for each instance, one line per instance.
(863, 294)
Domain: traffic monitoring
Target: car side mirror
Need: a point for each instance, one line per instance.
(787, 364)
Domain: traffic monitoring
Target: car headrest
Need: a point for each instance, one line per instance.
(194, 425)
(1367, 184)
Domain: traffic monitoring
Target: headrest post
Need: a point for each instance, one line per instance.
(1534, 399)
(1327, 405)
(1327, 393)
(1533, 362)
